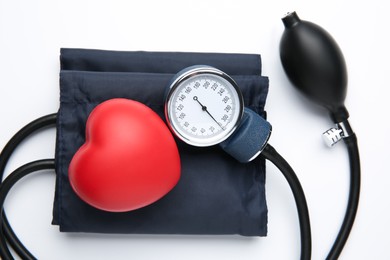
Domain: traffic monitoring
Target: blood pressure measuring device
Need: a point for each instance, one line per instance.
(204, 107)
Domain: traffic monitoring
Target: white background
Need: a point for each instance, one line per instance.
(33, 31)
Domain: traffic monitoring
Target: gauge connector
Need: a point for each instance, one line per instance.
(250, 137)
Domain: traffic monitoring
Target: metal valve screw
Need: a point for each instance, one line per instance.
(332, 136)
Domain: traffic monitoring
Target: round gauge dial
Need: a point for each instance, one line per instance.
(204, 106)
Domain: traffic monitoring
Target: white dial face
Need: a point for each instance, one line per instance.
(204, 109)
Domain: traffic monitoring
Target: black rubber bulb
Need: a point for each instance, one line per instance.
(314, 63)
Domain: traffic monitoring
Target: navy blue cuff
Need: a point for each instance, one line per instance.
(215, 195)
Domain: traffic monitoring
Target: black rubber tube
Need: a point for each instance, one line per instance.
(303, 212)
(6, 186)
(5, 154)
(353, 200)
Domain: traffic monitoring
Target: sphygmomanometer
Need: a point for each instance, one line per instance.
(175, 143)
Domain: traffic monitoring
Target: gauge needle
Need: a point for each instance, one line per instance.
(204, 108)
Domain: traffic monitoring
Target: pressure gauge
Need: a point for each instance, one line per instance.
(204, 105)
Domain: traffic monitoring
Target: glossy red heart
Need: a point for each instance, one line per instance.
(129, 159)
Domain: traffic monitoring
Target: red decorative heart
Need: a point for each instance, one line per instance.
(129, 159)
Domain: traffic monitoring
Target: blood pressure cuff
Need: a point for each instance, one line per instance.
(215, 194)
